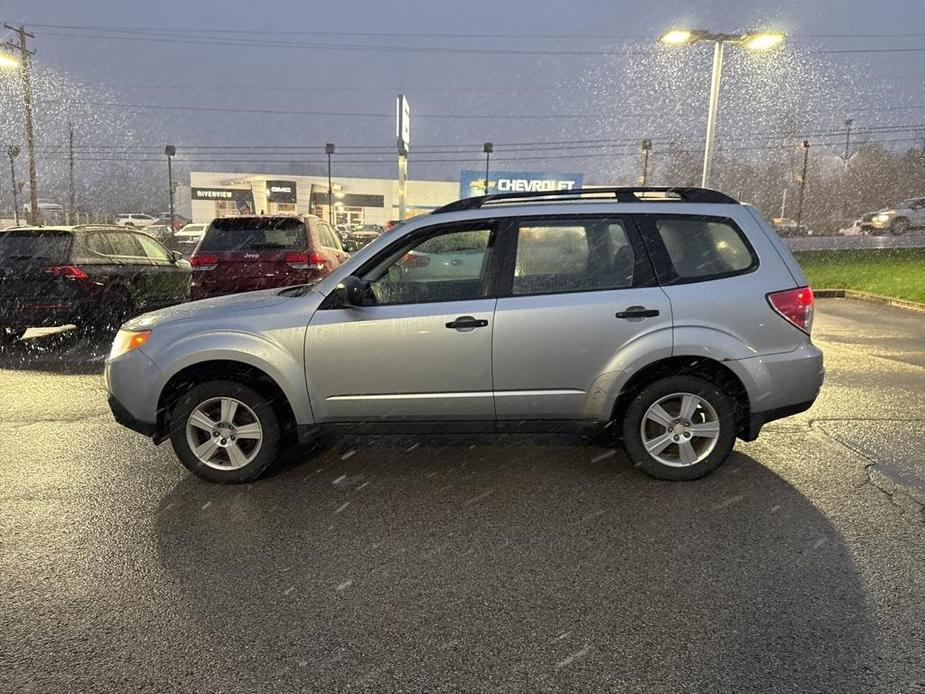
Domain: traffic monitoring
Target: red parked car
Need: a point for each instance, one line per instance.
(243, 254)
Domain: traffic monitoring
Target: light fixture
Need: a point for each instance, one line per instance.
(763, 41)
(677, 37)
(8, 62)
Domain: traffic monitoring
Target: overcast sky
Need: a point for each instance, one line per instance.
(464, 87)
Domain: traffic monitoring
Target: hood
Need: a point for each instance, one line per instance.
(209, 308)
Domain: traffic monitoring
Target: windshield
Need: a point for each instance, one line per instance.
(250, 234)
(26, 245)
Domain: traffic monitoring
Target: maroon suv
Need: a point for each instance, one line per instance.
(243, 254)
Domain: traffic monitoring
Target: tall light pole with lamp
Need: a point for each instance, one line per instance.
(488, 148)
(24, 64)
(755, 41)
(170, 151)
(329, 150)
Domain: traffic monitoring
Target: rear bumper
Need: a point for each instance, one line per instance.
(779, 385)
(42, 312)
(759, 419)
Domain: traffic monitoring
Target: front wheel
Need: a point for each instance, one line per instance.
(224, 432)
(680, 428)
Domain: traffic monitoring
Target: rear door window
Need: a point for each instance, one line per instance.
(125, 245)
(572, 255)
(255, 234)
(694, 248)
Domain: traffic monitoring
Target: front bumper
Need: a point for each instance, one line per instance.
(122, 416)
(134, 384)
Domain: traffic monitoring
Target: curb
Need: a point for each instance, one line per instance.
(866, 296)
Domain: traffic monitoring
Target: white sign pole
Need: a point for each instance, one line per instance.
(403, 133)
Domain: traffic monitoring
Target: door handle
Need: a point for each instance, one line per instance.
(638, 312)
(467, 323)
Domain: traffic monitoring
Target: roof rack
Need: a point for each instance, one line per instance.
(620, 193)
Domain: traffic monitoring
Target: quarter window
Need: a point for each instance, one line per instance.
(575, 255)
(703, 248)
(451, 266)
(152, 249)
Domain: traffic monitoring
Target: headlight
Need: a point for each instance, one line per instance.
(127, 340)
(883, 217)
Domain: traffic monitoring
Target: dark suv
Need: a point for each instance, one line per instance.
(94, 277)
(242, 254)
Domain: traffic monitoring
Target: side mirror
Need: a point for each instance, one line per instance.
(175, 256)
(350, 292)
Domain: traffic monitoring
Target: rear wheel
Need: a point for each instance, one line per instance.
(115, 308)
(225, 432)
(680, 428)
(899, 226)
(10, 335)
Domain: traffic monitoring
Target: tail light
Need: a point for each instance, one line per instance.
(70, 272)
(796, 305)
(412, 259)
(204, 262)
(300, 260)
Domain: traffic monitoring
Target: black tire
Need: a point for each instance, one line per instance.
(258, 404)
(899, 226)
(10, 335)
(723, 405)
(115, 308)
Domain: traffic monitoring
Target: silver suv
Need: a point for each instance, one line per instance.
(675, 315)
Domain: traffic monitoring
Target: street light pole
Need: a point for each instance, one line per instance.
(802, 183)
(329, 150)
(488, 148)
(25, 74)
(71, 204)
(13, 152)
(712, 111)
(170, 151)
(755, 41)
(646, 148)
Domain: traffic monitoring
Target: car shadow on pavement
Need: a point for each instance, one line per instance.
(529, 564)
(62, 352)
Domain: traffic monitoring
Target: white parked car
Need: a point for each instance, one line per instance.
(188, 238)
(135, 219)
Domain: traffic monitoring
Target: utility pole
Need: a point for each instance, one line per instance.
(329, 150)
(25, 73)
(71, 204)
(488, 148)
(802, 183)
(13, 152)
(170, 151)
(848, 123)
(646, 148)
(844, 194)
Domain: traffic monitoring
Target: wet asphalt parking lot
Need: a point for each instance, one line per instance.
(517, 563)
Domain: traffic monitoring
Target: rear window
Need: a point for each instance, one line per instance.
(28, 245)
(254, 234)
(705, 247)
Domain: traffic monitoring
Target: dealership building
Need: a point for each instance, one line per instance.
(357, 201)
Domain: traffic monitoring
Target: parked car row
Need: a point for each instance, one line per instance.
(93, 277)
(97, 276)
